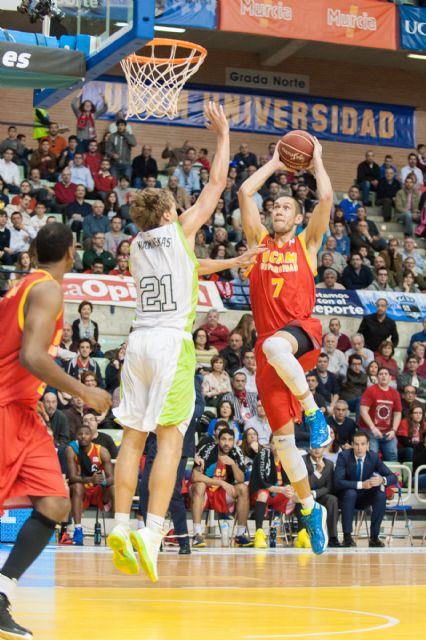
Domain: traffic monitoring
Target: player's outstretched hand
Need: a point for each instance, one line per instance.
(248, 257)
(97, 399)
(216, 120)
(317, 154)
(279, 165)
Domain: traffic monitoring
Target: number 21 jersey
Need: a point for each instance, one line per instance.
(165, 270)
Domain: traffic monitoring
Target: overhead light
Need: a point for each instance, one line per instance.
(159, 27)
(121, 24)
(417, 56)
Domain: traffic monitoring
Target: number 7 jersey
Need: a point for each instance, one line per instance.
(165, 270)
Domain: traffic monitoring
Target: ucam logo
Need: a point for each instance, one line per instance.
(413, 27)
(13, 59)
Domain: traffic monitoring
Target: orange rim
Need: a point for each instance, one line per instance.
(169, 42)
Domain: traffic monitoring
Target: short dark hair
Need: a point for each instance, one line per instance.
(52, 242)
(83, 304)
(383, 369)
(358, 433)
(227, 432)
(323, 355)
(83, 426)
(12, 126)
(80, 342)
(121, 121)
(72, 138)
(353, 357)
(220, 423)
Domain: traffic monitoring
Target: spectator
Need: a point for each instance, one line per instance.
(217, 333)
(343, 242)
(419, 459)
(392, 258)
(410, 265)
(249, 370)
(372, 370)
(67, 156)
(57, 143)
(20, 238)
(223, 496)
(368, 175)
(240, 298)
(104, 181)
(78, 210)
(408, 399)
(247, 330)
(320, 475)
(343, 426)
(250, 447)
(91, 480)
(45, 161)
(114, 236)
(4, 198)
(57, 422)
(111, 205)
(93, 159)
(343, 342)
(203, 158)
(9, 171)
(361, 238)
(216, 383)
(85, 327)
(40, 189)
(326, 263)
(244, 402)
(380, 413)
(39, 218)
(123, 190)
(384, 358)
(356, 275)
(23, 268)
(359, 478)
(122, 267)
(421, 153)
(339, 262)
(381, 283)
(203, 351)
(98, 251)
(187, 177)
(409, 251)
(387, 164)
(336, 359)
(386, 192)
(13, 142)
(419, 350)
(233, 353)
(225, 413)
(410, 378)
(4, 234)
(418, 337)
(358, 347)
(96, 222)
(81, 174)
(312, 381)
(113, 370)
(410, 433)
(99, 437)
(408, 284)
(327, 382)
(412, 167)
(119, 150)
(407, 205)
(142, 166)
(74, 415)
(259, 422)
(269, 489)
(355, 384)
(67, 342)
(244, 158)
(24, 191)
(201, 249)
(86, 114)
(65, 190)
(180, 195)
(82, 362)
(377, 327)
(330, 281)
(379, 263)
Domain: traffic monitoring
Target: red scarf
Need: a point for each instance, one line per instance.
(242, 397)
(85, 119)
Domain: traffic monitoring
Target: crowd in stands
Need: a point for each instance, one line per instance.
(357, 382)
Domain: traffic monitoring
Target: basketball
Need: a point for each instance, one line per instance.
(296, 149)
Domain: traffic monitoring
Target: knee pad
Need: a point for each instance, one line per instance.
(290, 458)
(275, 346)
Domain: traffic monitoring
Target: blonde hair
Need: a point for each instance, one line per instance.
(149, 206)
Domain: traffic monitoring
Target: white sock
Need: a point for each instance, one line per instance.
(77, 526)
(197, 529)
(308, 503)
(122, 519)
(290, 458)
(156, 523)
(140, 524)
(240, 529)
(8, 587)
(279, 354)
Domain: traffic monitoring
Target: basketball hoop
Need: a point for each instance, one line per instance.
(155, 81)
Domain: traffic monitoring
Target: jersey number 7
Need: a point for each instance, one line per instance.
(278, 284)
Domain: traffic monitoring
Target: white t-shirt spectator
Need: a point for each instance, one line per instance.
(9, 172)
(417, 172)
(262, 427)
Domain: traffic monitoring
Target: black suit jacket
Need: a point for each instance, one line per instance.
(345, 471)
(323, 485)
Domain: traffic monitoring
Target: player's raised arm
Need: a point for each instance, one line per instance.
(250, 216)
(320, 219)
(198, 214)
(39, 318)
(209, 265)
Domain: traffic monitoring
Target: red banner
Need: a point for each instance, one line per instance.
(361, 23)
(121, 292)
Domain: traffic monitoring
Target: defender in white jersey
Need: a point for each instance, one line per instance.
(158, 373)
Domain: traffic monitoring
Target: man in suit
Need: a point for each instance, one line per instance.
(361, 478)
(320, 472)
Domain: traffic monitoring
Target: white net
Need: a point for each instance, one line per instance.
(155, 82)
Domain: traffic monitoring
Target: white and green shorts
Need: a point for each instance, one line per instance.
(157, 380)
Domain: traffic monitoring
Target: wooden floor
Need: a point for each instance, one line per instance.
(227, 594)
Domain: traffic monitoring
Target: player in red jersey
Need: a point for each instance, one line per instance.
(31, 317)
(282, 294)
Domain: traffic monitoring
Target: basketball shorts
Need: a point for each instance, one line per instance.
(93, 497)
(219, 501)
(157, 380)
(276, 501)
(29, 464)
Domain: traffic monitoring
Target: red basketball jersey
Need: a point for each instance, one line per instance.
(282, 289)
(18, 385)
(94, 455)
